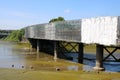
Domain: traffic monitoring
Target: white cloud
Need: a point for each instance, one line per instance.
(67, 11)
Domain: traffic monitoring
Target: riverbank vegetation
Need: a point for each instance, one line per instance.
(16, 35)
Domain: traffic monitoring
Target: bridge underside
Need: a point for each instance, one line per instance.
(59, 48)
(44, 45)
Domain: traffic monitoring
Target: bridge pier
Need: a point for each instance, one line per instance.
(55, 50)
(33, 43)
(38, 46)
(80, 52)
(99, 58)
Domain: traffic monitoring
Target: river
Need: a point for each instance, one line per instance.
(11, 57)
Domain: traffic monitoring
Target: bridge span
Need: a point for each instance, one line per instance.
(4, 33)
(58, 36)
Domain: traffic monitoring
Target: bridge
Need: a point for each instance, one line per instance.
(58, 36)
(4, 33)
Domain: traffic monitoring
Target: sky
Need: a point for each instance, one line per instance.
(17, 14)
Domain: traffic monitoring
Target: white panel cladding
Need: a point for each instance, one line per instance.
(101, 30)
(118, 32)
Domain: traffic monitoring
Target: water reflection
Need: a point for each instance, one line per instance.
(12, 58)
(90, 59)
(8, 57)
(73, 67)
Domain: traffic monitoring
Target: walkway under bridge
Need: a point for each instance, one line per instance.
(57, 37)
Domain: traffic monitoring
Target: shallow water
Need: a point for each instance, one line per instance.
(10, 57)
(90, 59)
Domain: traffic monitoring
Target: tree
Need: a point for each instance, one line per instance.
(57, 19)
(16, 35)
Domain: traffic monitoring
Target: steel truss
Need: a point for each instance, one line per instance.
(111, 54)
(68, 47)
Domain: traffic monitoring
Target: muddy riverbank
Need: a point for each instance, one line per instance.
(17, 64)
(17, 74)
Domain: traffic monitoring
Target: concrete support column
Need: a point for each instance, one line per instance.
(33, 45)
(38, 46)
(55, 50)
(80, 51)
(99, 58)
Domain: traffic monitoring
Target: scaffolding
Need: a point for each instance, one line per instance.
(61, 31)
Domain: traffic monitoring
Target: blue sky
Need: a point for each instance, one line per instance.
(16, 14)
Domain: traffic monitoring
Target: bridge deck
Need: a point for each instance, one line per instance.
(4, 34)
(100, 30)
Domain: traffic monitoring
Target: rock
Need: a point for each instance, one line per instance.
(12, 65)
(23, 66)
(31, 67)
(57, 69)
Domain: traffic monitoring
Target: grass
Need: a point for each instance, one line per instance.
(23, 45)
(89, 48)
(15, 35)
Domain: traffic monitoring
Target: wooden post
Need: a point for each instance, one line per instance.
(80, 55)
(55, 50)
(99, 58)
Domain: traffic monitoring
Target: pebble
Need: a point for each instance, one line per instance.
(57, 69)
(12, 65)
(22, 66)
(31, 67)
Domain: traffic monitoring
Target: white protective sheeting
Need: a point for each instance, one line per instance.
(101, 30)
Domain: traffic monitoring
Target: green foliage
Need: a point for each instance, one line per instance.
(57, 19)
(16, 35)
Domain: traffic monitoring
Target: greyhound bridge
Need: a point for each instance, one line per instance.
(57, 37)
